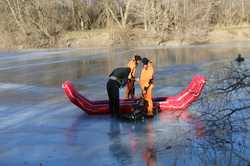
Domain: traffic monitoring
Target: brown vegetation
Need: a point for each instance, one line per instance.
(33, 23)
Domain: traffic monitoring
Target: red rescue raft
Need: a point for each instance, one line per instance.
(171, 103)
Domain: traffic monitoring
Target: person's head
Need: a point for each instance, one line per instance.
(145, 62)
(137, 58)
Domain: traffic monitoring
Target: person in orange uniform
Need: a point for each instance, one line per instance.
(147, 85)
(130, 89)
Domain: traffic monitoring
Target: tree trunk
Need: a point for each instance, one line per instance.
(125, 15)
(73, 15)
(145, 15)
(243, 10)
(231, 12)
(114, 17)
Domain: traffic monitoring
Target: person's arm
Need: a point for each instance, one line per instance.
(132, 67)
(150, 77)
(124, 77)
(133, 72)
(124, 82)
(150, 80)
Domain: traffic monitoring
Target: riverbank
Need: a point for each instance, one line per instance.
(103, 38)
(138, 38)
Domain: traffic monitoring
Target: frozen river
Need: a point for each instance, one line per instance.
(39, 126)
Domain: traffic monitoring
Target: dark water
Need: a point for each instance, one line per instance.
(39, 126)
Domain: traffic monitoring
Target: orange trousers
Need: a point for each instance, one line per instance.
(148, 98)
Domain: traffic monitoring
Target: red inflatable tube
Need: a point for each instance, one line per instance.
(186, 97)
(179, 102)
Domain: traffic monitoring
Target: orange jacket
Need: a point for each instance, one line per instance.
(132, 65)
(146, 76)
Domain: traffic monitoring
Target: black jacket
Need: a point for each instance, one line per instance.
(121, 74)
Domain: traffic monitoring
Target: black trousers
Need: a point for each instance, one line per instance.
(113, 93)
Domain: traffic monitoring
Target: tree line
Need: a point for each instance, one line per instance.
(40, 23)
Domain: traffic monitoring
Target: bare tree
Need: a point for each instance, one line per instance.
(120, 10)
(15, 9)
(162, 19)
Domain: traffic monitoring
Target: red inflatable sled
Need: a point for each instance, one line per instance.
(171, 103)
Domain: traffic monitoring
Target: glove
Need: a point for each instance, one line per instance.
(145, 90)
(123, 83)
(151, 81)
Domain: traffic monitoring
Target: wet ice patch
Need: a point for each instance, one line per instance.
(167, 91)
(28, 88)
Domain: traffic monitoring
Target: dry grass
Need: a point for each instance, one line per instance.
(138, 37)
(225, 35)
(93, 38)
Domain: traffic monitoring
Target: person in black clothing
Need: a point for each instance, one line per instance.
(239, 59)
(118, 78)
